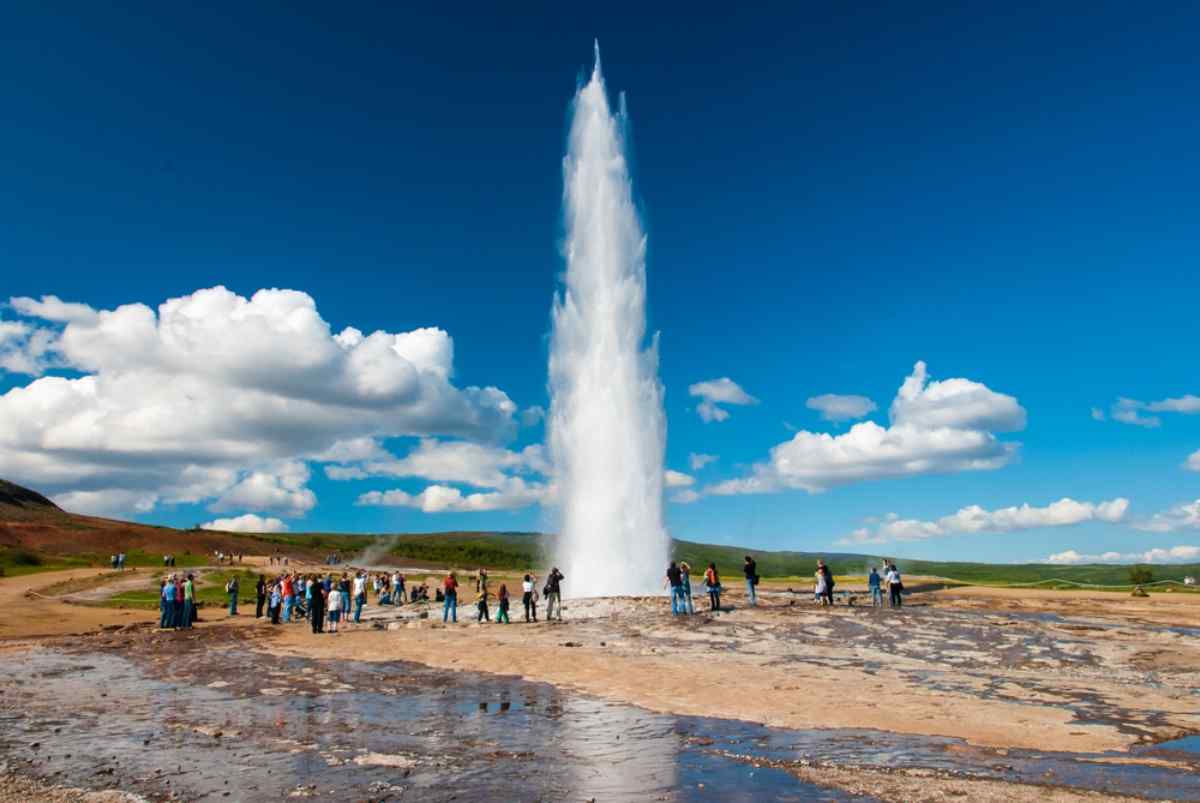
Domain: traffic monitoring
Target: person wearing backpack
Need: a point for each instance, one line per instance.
(232, 588)
(750, 569)
(712, 582)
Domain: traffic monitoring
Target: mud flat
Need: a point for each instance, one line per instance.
(955, 696)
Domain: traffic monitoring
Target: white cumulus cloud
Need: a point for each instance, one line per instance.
(715, 392)
(677, 479)
(834, 407)
(1193, 461)
(278, 489)
(1181, 517)
(1133, 411)
(248, 523)
(445, 499)
(936, 427)
(1175, 554)
(198, 399)
(975, 519)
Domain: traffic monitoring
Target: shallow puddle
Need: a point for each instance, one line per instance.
(237, 724)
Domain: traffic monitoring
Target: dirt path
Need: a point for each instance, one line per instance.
(25, 613)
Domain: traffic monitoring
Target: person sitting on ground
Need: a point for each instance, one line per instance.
(502, 604)
(713, 583)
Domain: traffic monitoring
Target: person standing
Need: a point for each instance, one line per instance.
(554, 594)
(829, 582)
(177, 608)
(750, 569)
(895, 587)
(232, 588)
(481, 601)
(685, 573)
(527, 596)
(713, 583)
(316, 606)
(675, 581)
(260, 596)
(819, 587)
(166, 617)
(502, 604)
(334, 599)
(276, 601)
(450, 598)
(287, 593)
(344, 592)
(873, 584)
(189, 602)
(360, 596)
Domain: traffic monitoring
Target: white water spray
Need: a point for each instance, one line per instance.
(606, 426)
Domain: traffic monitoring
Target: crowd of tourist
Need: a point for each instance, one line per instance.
(329, 600)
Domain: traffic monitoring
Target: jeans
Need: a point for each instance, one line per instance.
(527, 599)
(678, 601)
(483, 612)
(164, 613)
(259, 601)
(894, 592)
(359, 601)
(553, 603)
(687, 598)
(189, 608)
(714, 598)
(450, 607)
(751, 594)
(177, 613)
(876, 597)
(233, 603)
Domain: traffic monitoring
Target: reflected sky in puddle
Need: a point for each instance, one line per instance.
(262, 727)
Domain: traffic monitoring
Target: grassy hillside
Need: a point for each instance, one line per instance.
(35, 535)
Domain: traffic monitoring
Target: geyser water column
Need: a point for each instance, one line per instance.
(606, 427)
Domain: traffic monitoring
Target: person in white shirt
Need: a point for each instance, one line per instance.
(895, 586)
(335, 610)
(529, 596)
(360, 596)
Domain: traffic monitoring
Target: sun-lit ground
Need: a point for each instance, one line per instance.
(983, 673)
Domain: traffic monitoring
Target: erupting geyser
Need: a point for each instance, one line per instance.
(606, 426)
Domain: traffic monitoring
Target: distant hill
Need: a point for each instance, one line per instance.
(34, 531)
(15, 496)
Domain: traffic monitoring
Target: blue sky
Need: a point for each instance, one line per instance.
(830, 196)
